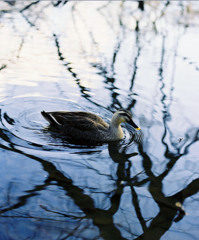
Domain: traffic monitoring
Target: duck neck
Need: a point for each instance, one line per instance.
(115, 129)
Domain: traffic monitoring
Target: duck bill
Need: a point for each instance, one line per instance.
(134, 125)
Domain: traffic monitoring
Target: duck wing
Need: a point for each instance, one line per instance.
(81, 121)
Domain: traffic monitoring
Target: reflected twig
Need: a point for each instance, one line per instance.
(135, 64)
(63, 2)
(170, 207)
(62, 214)
(29, 5)
(103, 219)
(84, 90)
(3, 67)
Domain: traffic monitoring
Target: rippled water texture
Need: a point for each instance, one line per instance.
(99, 56)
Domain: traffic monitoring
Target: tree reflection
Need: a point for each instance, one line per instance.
(86, 212)
(169, 209)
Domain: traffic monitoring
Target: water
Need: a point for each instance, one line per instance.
(99, 56)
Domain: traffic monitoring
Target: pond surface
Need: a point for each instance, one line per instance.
(99, 56)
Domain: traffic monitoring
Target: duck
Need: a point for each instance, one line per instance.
(88, 126)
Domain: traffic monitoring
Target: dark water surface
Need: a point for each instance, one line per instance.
(99, 56)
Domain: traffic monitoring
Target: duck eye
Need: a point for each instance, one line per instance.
(127, 119)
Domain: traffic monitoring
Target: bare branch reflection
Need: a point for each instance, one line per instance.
(100, 57)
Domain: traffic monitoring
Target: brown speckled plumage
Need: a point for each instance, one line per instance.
(88, 126)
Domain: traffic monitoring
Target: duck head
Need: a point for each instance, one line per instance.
(124, 116)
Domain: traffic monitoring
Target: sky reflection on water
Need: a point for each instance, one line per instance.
(99, 56)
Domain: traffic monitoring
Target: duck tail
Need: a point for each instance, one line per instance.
(48, 117)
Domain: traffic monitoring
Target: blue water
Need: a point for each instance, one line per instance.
(99, 57)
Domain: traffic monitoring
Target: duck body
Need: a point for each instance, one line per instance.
(88, 126)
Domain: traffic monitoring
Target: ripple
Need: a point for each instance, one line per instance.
(133, 136)
(23, 125)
